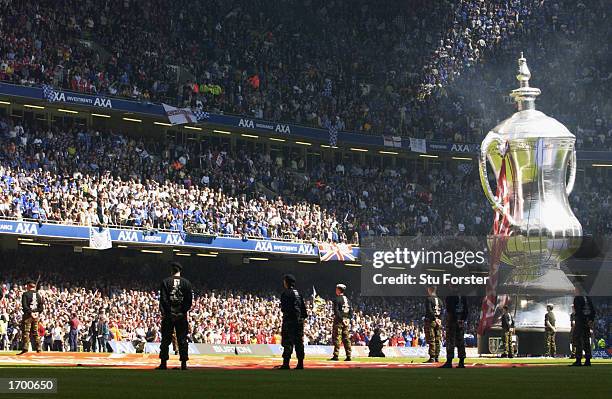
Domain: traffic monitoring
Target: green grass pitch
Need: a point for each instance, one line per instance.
(479, 382)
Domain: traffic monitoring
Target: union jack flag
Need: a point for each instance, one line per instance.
(341, 252)
(501, 232)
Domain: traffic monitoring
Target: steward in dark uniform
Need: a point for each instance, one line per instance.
(585, 317)
(572, 325)
(376, 344)
(433, 324)
(93, 333)
(456, 315)
(175, 300)
(32, 306)
(342, 321)
(507, 331)
(550, 331)
(294, 314)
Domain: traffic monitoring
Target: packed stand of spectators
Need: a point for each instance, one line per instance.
(78, 176)
(476, 26)
(126, 303)
(86, 177)
(384, 69)
(567, 49)
(306, 61)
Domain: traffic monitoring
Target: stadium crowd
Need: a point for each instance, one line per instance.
(310, 61)
(127, 306)
(87, 177)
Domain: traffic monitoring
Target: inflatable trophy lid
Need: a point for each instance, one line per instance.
(529, 122)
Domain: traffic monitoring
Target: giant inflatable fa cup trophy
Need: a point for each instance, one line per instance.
(537, 152)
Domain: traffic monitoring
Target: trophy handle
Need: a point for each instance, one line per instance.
(572, 177)
(489, 141)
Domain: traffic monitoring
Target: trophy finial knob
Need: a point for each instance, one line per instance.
(524, 95)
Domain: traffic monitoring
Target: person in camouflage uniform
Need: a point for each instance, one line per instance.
(550, 330)
(32, 306)
(433, 324)
(507, 330)
(342, 321)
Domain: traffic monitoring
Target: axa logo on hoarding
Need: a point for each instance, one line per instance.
(460, 148)
(58, 96)
(174, 239)
(264, 246)
(128, 236)
(306, 249)
(246, 123)
(231, 349)
(26, 228)
(103, 102)
(6, 227)
(280, 128)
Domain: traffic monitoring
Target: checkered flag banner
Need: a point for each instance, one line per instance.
(200, 114)
(48, 93)
(333, 134)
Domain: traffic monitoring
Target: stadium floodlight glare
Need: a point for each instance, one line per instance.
(221, 132)
(162, 123)
(308, 261)
(182, 254)
(428, 156)
(275, 139)
(325, 146)
(25, 239)
(68, 111)
(5, 102)
(261, 259)
(211, 255)
(252, 136)
(462, 158)
(192, 127)
(302, 143)
(132, 119)
(601, 165)
(388, 152)
(353, 264)
(100, 115)
(358, 149)
(122, 246)
(33, 106)
(151, 251)
(35, 244)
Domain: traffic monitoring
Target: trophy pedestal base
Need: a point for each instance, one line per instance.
(529, 342)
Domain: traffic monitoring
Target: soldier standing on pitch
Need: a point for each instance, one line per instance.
(294, 313)
(456, 315)
(433, 324)
(550, 332)
(342, 321)
(585, 317)
(175, 300)
(507, 330)
(32, 306)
